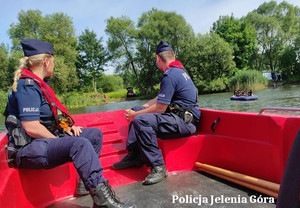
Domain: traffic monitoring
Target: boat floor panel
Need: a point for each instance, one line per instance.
(182, 190)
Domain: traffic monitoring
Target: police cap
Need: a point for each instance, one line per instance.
(163, 46)
(33, 47)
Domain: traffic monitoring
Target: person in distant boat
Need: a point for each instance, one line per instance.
(249, 93)
(173, 113)
(41, 131)
(235, 93)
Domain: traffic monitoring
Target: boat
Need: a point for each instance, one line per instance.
(130, 92)
(243, 95)
(243, 148)
(244, 98)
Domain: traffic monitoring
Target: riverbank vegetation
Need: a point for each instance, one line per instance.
(3, 101)
(265, 39)
(75, 99)
(248, 79)
(79, 99)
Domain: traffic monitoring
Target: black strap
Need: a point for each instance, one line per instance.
(175, 107)
(11, 153)
(11, 149)
(212, 127)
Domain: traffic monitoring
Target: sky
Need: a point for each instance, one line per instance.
(91, 14)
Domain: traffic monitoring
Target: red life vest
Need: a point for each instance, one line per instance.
(60, 112)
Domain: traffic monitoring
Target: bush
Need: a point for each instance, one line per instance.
(217, 85)
(248, 79)
(117, 94)
(3, 101)
(74, 99)
(110, 83)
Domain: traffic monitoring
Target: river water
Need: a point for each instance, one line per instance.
(283, 96)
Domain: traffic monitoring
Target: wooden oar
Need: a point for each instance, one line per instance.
(266, 187)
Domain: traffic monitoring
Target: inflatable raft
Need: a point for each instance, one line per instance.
(244, 98)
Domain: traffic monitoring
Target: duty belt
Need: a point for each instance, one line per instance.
(184, 113)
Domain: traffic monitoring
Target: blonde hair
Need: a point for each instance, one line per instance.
(167, 55)
(28, 62)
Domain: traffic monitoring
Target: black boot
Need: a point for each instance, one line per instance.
(132, 159)
(157, 174)
(80, 189)
(104, 196)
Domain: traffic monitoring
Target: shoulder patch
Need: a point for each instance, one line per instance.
(29, 82)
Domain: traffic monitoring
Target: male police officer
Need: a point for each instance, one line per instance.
(34, 112)
(173, 113)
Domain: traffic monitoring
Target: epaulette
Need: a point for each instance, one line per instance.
(29, 82)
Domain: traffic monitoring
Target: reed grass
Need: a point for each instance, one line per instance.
(75, 99)
(117, 94)
(250, 79)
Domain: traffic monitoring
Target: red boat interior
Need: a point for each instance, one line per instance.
(245, 143)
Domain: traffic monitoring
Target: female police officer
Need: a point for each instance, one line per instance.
(37, 123)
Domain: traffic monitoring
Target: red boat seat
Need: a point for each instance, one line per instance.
(247, 143)
(33, 188)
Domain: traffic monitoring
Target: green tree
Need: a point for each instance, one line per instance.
(128, 78)
(241, 35)
(290, 57)
(213, 64)
(121, 44)
(57, 29)
(290, 61)
(4, 62)
(28, 26)
(110, 83)
(275, 26)
(13, 64)
(91, 59)
(154, 26)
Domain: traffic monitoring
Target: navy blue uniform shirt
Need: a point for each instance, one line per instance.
(29, 103)
(177, 87)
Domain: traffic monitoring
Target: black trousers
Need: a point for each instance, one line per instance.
(83, 151)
